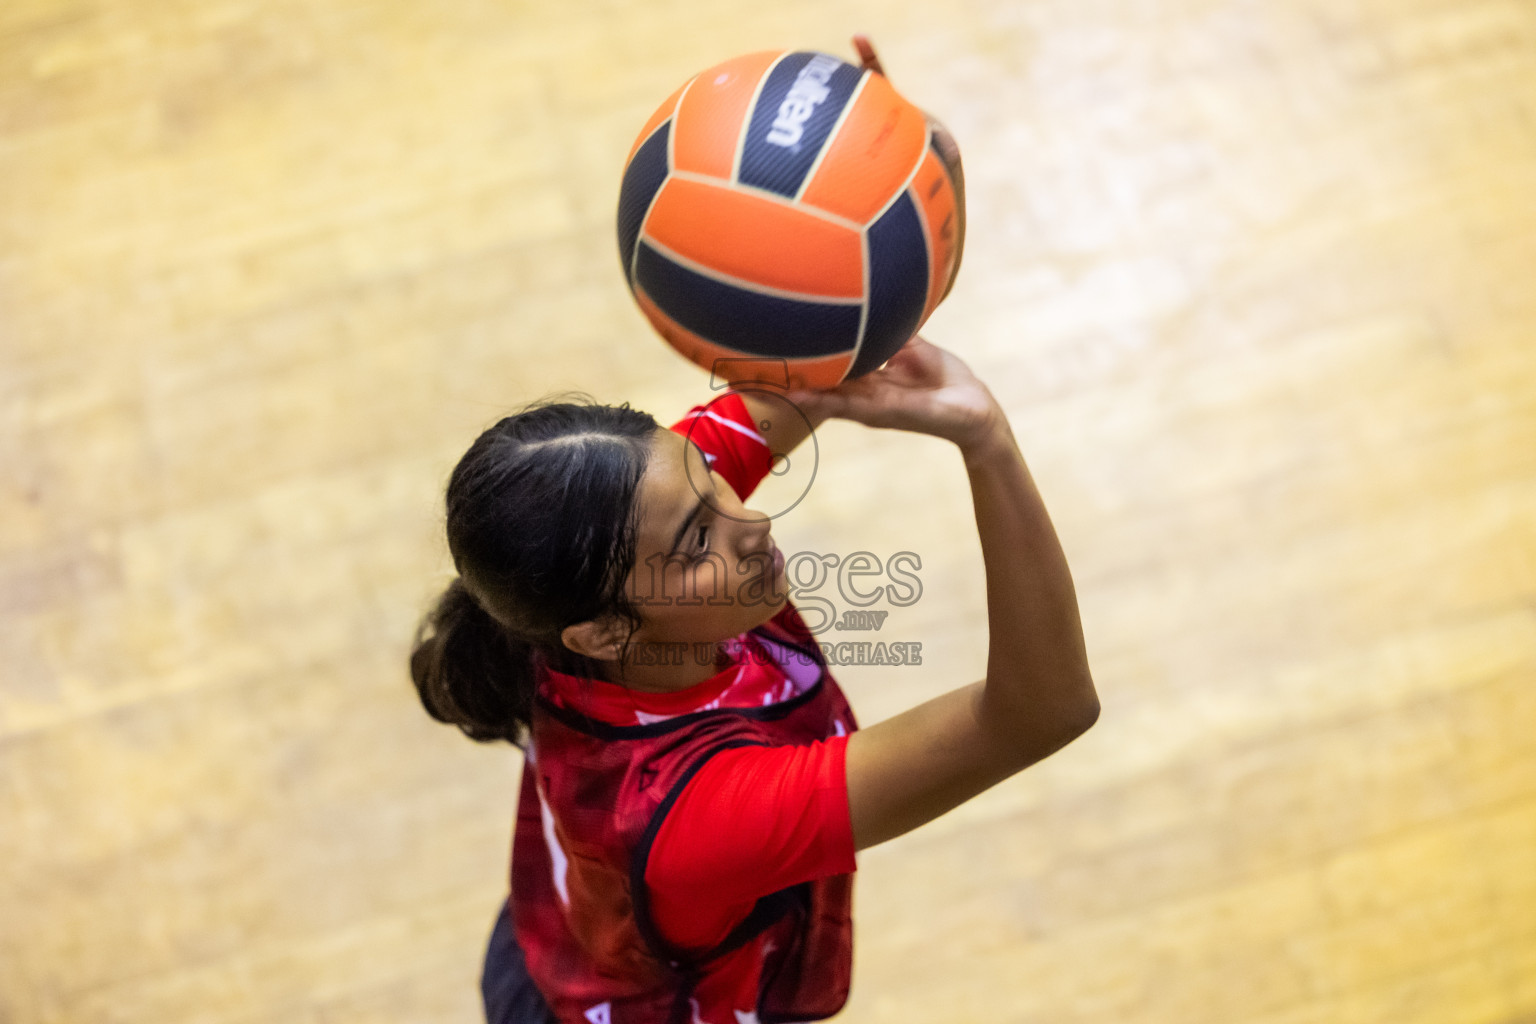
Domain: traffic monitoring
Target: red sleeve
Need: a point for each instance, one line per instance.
(754, 820)
(730, 441)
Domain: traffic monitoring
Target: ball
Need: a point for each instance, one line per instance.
(785, 218)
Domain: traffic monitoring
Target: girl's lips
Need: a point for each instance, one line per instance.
(778, 560)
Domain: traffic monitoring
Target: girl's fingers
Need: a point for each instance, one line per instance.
(867, 56)
(922, 388)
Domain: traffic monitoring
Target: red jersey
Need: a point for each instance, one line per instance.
(688, 856)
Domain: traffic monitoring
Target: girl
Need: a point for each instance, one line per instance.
(687, 827)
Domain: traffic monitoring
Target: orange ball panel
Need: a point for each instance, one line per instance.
(738, 368)
(936, 206)
(871, 156)
(709, 120)
(757, 240)
(662, 113)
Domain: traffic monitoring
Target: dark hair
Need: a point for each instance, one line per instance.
(542, 523)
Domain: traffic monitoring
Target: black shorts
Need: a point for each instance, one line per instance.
(510, 996)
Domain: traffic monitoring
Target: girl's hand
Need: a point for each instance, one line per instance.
(923, 388)
(868, 59)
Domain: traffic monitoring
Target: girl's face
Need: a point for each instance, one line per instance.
(706, 568)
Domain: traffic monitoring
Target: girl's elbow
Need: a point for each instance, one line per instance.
(1051, 733)
(1085, 710)
(1077, 716)
(1086, 716)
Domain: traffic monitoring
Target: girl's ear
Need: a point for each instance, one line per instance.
(600, 639)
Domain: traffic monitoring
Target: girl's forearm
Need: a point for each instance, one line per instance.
(1038, 689)
(1038, 695)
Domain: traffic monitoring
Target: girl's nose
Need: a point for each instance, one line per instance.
(752, 516)
(755, 536)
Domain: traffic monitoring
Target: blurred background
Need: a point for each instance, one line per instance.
(1256, 282)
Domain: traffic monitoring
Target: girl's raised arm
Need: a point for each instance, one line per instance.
(1038, 694)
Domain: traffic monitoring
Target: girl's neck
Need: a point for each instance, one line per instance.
(667, 668)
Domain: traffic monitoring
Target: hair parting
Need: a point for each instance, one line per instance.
(542, 524)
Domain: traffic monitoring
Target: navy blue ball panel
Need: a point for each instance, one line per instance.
(898, 284)
(801, 101)
(747, 321)
(642, 179)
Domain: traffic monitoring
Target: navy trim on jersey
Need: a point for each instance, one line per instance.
(590, 726)
(764, 913)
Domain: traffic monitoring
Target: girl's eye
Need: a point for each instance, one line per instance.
(701, 539)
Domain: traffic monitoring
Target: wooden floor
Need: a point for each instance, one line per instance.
(1257, 282)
